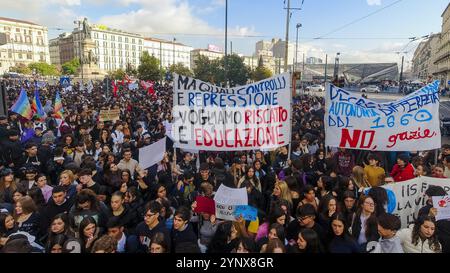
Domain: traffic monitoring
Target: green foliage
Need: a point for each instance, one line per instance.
(180, 69)
(213, 71)
(70, 67)
(21, 69)
(44, 69)
(118, 74)
(149, 68)
(130, 70)
(206, 70)
(261, 72)
(237, 72)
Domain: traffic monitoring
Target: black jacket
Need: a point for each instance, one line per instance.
(187, 235)
(51, 210)
(371, 227)
(128, 218)
(145, 234)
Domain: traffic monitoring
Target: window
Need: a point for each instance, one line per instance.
(39, 33)
(10, 54)
(113, 45)
(29, 56)
(134, 47)
(41, 57)
(120, 46)
(17, 30)
(112, 38)
(126, 47)
(133, 41)
(120, 39)
(28, 39)
(126, 39)
(20, 55)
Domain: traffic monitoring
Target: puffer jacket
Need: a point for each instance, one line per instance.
(401, 174)
(405, 236)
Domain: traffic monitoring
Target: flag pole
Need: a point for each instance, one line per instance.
(290, 119)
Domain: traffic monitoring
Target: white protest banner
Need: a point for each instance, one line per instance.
(227, 199)
(152, 154)
(133, 86)
(442, 204)
(410, 123)
(253, 116)
(406, 198)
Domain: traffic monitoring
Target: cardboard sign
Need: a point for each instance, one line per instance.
(225, 212)
(227, 199)
(152, 154)
(109, 115)
(248, 212)
(442, 204)
(205, 204)
(230, 196)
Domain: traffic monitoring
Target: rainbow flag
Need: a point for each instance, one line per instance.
(37, 106)
(58, 106)
(22, 106)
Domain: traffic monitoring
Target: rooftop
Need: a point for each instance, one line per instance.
(162, 41)
(17, 21)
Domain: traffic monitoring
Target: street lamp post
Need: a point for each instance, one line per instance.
(226, 44)
(286, 46)
(296, 46)
(173, 44)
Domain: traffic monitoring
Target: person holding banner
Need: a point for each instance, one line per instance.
(403, 170)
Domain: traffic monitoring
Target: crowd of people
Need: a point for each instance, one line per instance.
(76, 185)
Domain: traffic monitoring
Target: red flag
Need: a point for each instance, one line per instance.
(114, 88)
(149, 86)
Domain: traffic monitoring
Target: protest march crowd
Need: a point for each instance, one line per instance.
(72, 182)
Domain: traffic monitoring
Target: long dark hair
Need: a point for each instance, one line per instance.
(84, 223)
(433, 241)
(380, 197)
(220, 238)
(312, 240)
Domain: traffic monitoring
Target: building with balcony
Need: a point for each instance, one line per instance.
(26, 43)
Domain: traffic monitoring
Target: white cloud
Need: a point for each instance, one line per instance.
(167, 17)
(374, 2)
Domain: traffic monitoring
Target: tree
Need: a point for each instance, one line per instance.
(21, 69)
(130, 70)
(149, 68)
(180, 69)
(44, 69)
(207, 70)
(261, 72)
(118, 74)
(237, 72)
(71, 67)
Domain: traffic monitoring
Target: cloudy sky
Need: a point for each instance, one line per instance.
(361, 30)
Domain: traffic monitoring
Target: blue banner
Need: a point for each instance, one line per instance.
(64, 81)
